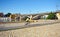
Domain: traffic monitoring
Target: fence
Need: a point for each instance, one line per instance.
(5, 19)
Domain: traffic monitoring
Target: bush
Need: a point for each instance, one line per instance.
(52, 16)
(25, 18)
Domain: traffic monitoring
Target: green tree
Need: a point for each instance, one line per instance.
(52, 16)
(7, 15)
(25, 17)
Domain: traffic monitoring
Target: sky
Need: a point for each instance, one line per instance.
(29, 6)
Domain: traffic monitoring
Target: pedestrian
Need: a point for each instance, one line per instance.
(27, 21)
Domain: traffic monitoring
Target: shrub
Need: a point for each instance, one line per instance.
(52, 16)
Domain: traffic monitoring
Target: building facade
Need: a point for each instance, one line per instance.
(1, 14)
(58, 15)
(15, 17)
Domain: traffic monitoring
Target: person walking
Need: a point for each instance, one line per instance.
(27, 21)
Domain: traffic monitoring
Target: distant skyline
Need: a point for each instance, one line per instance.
(29, 6)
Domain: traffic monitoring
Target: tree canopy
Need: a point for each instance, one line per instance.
(52, 16)
(7, 15)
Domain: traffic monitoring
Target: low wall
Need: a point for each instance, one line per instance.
(5, 19)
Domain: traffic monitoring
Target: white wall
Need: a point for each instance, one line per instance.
(58, 15)
(44, 16)
(5, 19)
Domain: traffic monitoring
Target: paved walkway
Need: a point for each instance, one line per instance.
(10, 26)
(51, 30)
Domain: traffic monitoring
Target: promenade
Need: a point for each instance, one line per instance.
(12, 26)
(36, 30)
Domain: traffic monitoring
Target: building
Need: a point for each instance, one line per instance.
(1, 14)
(15, 17)
(44, 16)
(58, 15)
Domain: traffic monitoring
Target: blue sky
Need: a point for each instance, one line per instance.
(28, 6)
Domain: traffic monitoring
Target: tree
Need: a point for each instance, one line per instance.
(7, 15)
(25, 17)
(52, 16)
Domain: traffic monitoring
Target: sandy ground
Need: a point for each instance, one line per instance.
(52, 30)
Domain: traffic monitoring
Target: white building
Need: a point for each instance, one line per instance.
(44, 16)
(58, 15)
